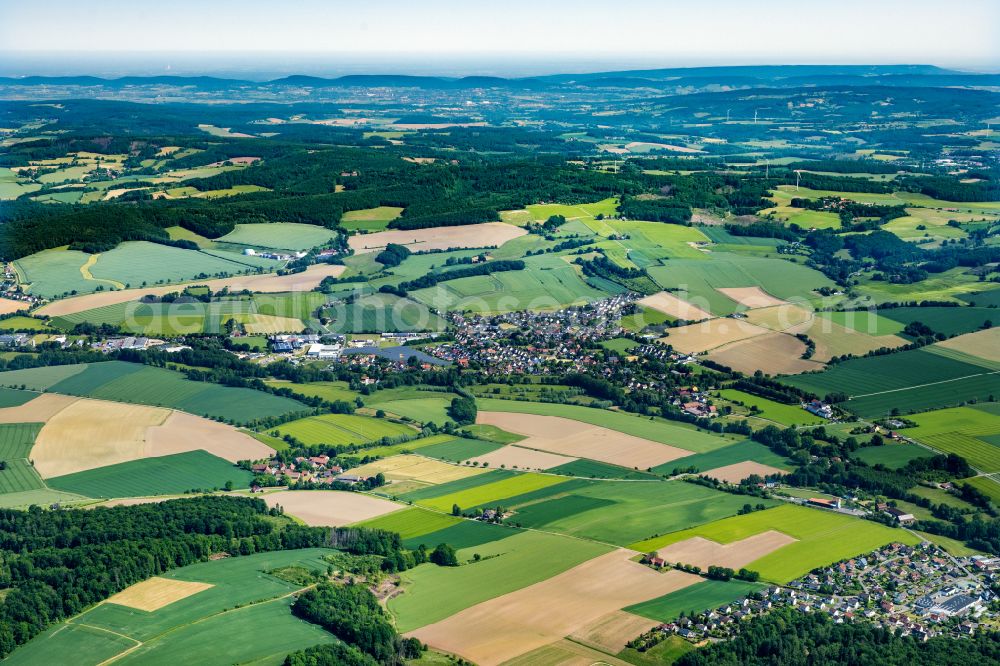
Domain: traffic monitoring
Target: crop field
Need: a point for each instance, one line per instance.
(710, 334)
(279, 236)
(16, 440)
(872, 322)
(832, 339)
(416, 468)
(431, 409)
(673, 306)
(950, 321)
(737, 472)
(605, 207)
(822, 537)
(698, 597)
(772, 353)
(165, 475)
(488, 234)
(21, 323)
(434, 593)
(517, 457)
(412, 522)
(787, 415)
(519, 622)
(983, 298)
(342, 429)
(381, 313)
(147, 385)
(597, 470)
(988, 485)
(622, 512)
(487, 493)
(466, 534)
(330, 508)
(576, 439)
(892, 456)
(657, 430)
(907, 380)
(329, 391)
(700, 279)
(983, 345)
(960, 430)
(40, 409)
(459, 449)
(14, 398)
(546, 283)
(370, 219)
(235, 619)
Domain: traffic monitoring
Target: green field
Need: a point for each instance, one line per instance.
(988, 485)
(243, 618)
(546, 283)
(657, 430)
(621, 512)
(488, 493)
(16, 440)
(892, 456)
(14, 398)
(147, 385)
(431, 408)
(23, 324)
(592, 469)
(166, 475)
(787, 415)
(378, 313)
(866, 321)
(699, 278)
(459, 449)
(370, 219)
(279, 236)
(729, 455)
(413, 522)
(962, 430)
(664, 653)
(699, 597)
(466, 534)
(434, 593)
(620, 345)
(53, 273)
(823, 537)
(329, 391)
(342, 429)
(910, 380)
(950, 321)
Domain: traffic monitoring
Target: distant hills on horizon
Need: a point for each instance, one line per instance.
(673, 77)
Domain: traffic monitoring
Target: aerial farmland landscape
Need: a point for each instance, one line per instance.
(533, 334)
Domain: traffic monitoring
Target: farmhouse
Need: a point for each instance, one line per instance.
(824, 503)
(900, 515)
(819, 409)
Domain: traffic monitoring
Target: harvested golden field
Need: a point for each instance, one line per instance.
(711, 334)
(186, 432)
(984, 344)
(750, 297)
(737, 472)
(518, 457)
(9, 305)
(582, 440)
(669, 304)
(267, 283)
(611, 632)
(774, 353)
(514, 624)
(330, 508)
(408, 467)
(155, 593)
(94, 433)
(267, 324)
(38, 410)
(832, 339)
(704, 553)
(487, 234)
(779, 317)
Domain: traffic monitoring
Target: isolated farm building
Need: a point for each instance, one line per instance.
(819, 409)
(900, 515)
(824, 503)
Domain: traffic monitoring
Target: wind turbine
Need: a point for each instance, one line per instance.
(767, 168)
(755, 116)
(798, 174)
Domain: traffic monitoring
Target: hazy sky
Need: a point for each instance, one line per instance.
(668, 32)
